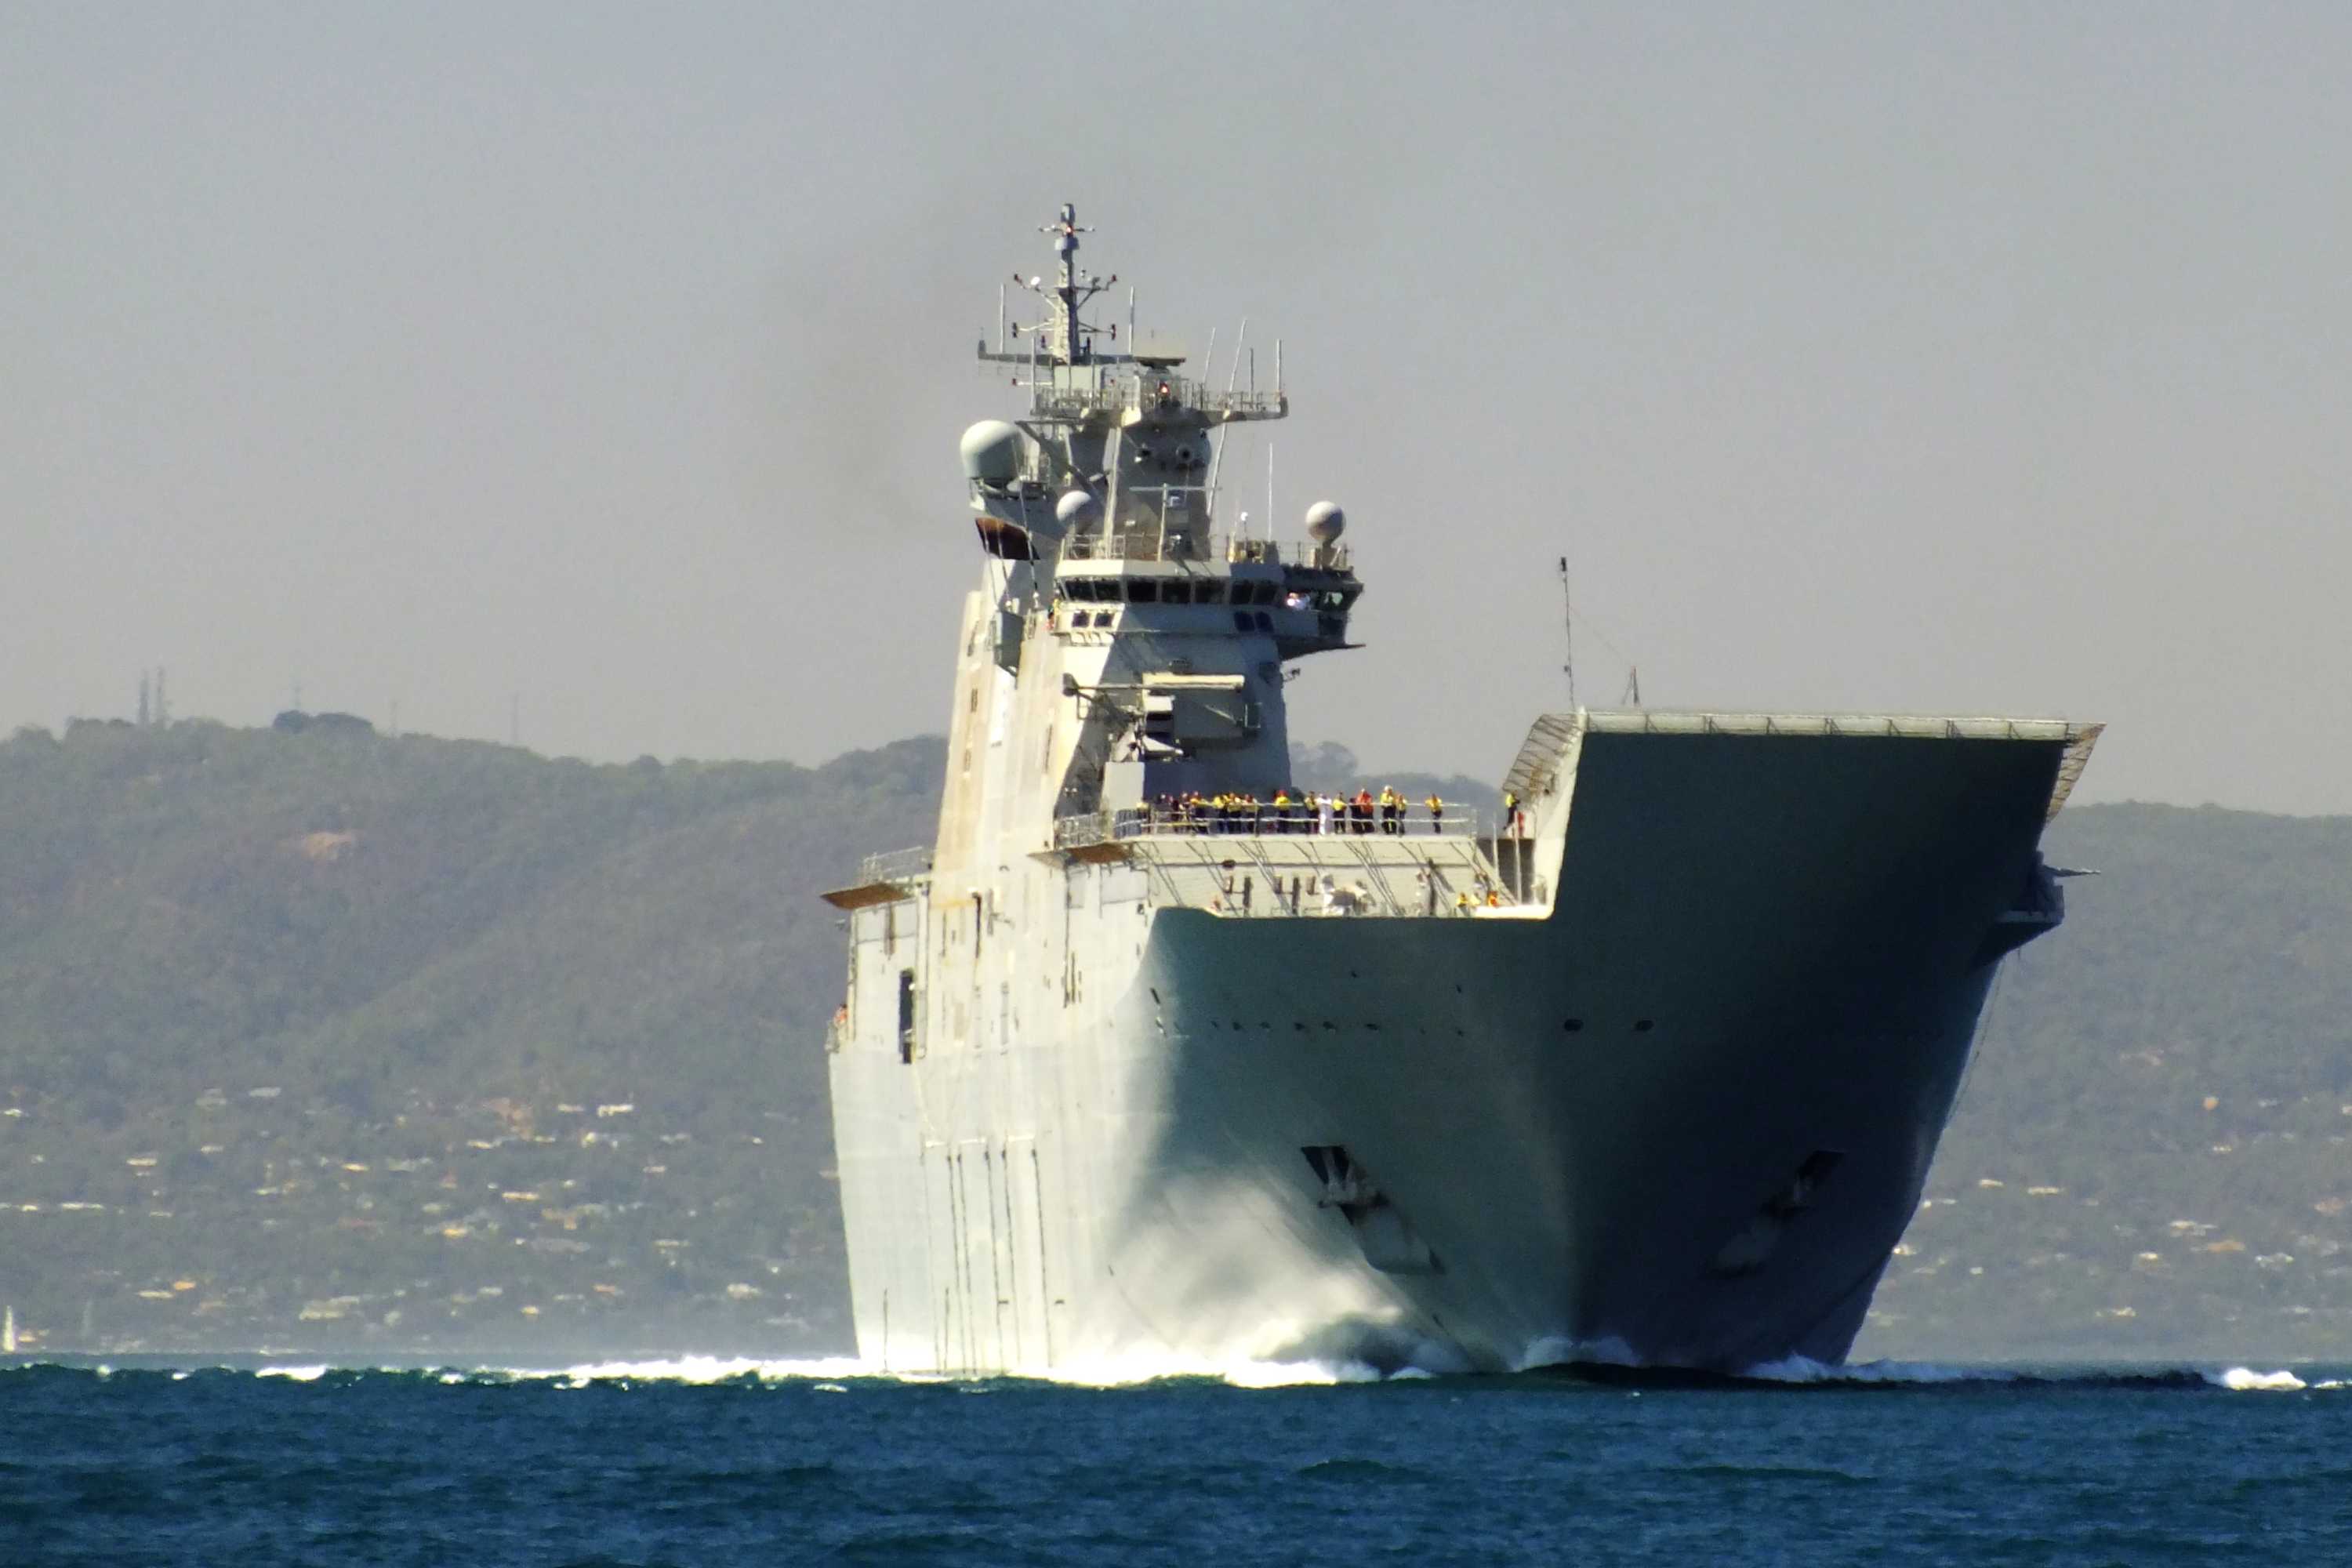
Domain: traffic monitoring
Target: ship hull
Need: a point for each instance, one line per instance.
(1678, 1116)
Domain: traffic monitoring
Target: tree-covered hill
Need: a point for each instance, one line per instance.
(2164, 1096)
(367, 919)
(308, 950)
(315, 1036)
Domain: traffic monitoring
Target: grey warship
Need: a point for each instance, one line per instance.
(1649, 1071)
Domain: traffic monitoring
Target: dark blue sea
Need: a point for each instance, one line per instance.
(701, 1463)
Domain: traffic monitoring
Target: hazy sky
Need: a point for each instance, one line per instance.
(1961, 358)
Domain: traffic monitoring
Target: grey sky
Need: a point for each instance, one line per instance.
(1967, 358)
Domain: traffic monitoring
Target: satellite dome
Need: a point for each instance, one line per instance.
(992, 452)
(1077, 510)
(1325, 521)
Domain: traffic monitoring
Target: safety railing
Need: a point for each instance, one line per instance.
(1144, 544)
(1134, 394)
(1264, 876)
(1288, 553)
(1267, 820)
(894, 866)
(1175, 543)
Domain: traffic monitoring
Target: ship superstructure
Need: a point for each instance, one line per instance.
(1151, 1057)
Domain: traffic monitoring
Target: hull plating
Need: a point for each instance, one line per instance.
(1680, 1118)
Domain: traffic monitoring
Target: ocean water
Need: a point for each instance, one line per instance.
(702, 1462)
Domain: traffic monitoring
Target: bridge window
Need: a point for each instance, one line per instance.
(1240, 620)
(1143, 590)
(1175, 593)
(1208, 592)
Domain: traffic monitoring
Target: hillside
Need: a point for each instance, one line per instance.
(332, 1039)
(2164, 1099)
(321, 1023)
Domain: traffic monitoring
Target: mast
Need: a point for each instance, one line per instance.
(1071, 288)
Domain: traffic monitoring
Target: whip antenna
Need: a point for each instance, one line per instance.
(1568, 631)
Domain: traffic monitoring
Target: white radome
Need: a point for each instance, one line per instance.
(1325, 521)
(992, 452)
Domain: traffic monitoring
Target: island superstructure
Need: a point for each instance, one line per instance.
(1650, 1070)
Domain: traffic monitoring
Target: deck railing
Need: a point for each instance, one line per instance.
(1140, 392)
(894, 866)
(1179, 543)
(1262, 820)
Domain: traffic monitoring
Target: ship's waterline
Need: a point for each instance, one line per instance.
(1650, 1071)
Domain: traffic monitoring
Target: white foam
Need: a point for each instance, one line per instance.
(1804, 1369)
(2246, 1378)
(1129, 1371)
(830, 1374)
(1799, 1369)
(701, 1369)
